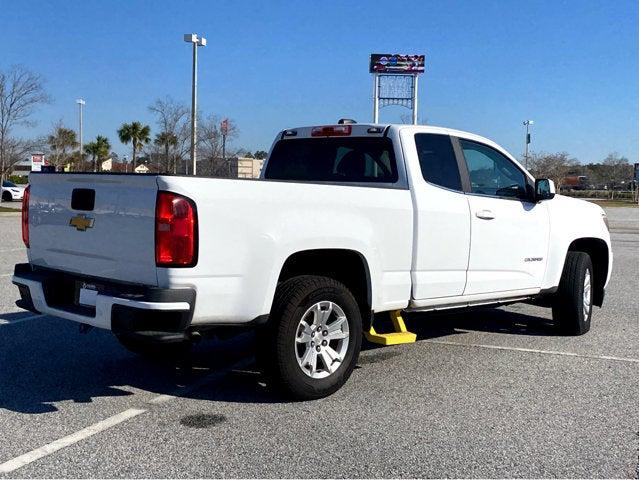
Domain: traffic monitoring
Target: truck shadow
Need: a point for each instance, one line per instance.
(494, 320)
(249, 386)
(46, 361)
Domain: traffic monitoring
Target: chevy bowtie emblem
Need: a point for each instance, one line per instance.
(81, 222)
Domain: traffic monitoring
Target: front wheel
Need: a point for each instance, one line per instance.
(314, 336)
(572, 304)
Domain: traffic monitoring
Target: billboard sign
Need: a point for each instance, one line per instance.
(37, 162)
(396, 63)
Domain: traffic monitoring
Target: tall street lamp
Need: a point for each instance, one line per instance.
(197, 42)
(527, 124)
(81, 104)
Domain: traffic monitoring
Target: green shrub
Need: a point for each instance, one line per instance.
(601, 194)
(18, 179)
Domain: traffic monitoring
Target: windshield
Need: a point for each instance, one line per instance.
(353, 159)
(8, 184)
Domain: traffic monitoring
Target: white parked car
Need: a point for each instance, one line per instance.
(347, 221)
(11, 191)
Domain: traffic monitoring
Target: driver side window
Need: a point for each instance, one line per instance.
(491, 173)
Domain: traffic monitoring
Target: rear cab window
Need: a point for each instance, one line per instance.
(368, 160)
(437, 160)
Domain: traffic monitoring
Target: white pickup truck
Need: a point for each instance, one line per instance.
(347, 221)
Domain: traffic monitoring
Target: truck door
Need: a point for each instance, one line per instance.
(510, 233)
(442, 218)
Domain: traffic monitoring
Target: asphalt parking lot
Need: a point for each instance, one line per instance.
(492, 393)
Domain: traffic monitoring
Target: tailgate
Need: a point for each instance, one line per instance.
(109, 234)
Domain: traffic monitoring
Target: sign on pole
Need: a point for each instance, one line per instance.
(395, 63)
(395, 81)
(37, 162)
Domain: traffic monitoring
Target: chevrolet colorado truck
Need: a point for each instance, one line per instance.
(347, 221)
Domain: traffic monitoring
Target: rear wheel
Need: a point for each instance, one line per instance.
(6, 196)
(572, 304)
(314, 336)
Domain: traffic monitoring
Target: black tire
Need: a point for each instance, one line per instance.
(277, 348)
(155, 350)
(7, 197)
(569, 310)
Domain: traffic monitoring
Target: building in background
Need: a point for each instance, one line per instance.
(33, 163)
(22, 168)
(576, 182)
(249, 167)
(107, 165)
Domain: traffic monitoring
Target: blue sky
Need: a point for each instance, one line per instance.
(572, 67)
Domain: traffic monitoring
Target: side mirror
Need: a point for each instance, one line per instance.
(544, 189)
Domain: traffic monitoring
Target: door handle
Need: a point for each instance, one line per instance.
(485, 214)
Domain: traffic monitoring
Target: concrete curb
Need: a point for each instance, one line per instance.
(10, 214)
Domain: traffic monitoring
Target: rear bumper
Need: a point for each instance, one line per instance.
(123, 308)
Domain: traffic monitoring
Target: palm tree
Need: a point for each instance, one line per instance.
(61, 140)
(104, 147)
(167, 140)
(92, 149)
(98, 149)
(135, 133)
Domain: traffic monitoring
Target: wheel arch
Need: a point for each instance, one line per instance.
(599, 254)
(349, 267)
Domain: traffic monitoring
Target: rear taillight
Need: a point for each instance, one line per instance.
(331, 131)
(25, 216)
(175, 231)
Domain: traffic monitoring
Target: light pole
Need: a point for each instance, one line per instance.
(197, 42)
(375, 98)
(81, 104)
(224, 129)
(527, 123)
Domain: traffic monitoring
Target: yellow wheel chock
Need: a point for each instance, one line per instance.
(399, 336)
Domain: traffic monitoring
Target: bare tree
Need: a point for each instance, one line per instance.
(617, 170)
(554, 166)
(18, 149)
(21, 91)
(182, 148)
(172, 122)
(170, 114)
(210, 143)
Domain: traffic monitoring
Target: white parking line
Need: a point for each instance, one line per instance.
(63, 442)
(48, 449)
(20, 320)
(532, 350)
